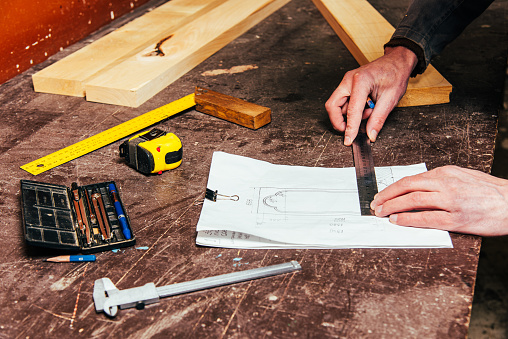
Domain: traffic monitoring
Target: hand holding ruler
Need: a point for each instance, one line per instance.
(109, 136)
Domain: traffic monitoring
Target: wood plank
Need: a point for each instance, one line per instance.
(69, 75)
(141, 76)
(232, 109)
(364, 32)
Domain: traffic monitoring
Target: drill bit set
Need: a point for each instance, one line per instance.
(87, 218)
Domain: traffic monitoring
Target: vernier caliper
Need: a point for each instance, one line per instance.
(108, 298)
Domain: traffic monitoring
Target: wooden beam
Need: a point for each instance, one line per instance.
(141, 76)
(364, 32)
(69, 75)
(232, 109)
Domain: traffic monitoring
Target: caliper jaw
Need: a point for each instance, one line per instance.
(108, 298)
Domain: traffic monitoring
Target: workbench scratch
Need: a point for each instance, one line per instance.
(161, 250)
(281, 299)
(169, 270)
(170, 318)
(319, 141)
(77, 298)
(324, 148)
(236, 310)
(199, 320)
(111, 115)
(156, 241)
(374, 271)
(53, 314)
(468, 141)
(291, 276)
(429, 252)
(152, 222)
(91, 309)
(324, 262)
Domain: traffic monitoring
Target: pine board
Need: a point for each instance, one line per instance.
(69, 75)
(139, 77)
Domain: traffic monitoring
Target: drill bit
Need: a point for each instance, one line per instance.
(80, 211)
(102, 225)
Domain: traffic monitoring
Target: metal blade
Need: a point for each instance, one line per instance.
(365, 173)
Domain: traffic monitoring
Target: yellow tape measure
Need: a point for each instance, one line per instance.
(109, 136)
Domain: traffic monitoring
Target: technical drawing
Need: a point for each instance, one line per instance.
(305, 201)
(305, 205)
(384, 177)
(302, 205)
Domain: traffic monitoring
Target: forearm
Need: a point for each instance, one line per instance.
(430, 25)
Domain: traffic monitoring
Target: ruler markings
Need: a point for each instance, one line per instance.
(365, 173)
(109, 136)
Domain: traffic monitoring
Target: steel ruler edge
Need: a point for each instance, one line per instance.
(365, 172)
(109, 136)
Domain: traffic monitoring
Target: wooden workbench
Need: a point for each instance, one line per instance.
(349, 293)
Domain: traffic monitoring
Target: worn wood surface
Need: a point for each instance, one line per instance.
(339, 293)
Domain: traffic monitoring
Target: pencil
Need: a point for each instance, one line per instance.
(71, 258)
(370, 103)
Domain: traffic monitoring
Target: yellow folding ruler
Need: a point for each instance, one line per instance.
(109, 136)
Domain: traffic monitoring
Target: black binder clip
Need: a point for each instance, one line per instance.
(214, 196)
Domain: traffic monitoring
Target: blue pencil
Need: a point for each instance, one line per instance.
(370, 103)
(72, 258)
(119, 212)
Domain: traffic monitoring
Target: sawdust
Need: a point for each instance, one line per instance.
(232, 70)
(62, 284)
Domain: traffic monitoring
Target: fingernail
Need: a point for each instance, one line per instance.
(347, 141)
(393, 218)
(379, 209)
(373, 135)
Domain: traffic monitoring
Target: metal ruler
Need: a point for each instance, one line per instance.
(365, 174)
(109, 136)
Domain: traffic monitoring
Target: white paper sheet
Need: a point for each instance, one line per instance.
(283, 206)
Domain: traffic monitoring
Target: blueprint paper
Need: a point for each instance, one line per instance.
(282, 206)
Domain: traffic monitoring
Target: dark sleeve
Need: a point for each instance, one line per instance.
(430, 25)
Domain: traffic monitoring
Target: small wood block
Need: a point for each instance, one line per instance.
(232, 109)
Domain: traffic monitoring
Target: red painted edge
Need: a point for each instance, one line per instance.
(34, 30)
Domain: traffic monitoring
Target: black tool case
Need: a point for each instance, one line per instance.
(50, 218)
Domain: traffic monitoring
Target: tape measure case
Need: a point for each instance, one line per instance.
(72, 219)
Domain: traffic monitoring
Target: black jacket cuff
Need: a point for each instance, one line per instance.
(413, 47)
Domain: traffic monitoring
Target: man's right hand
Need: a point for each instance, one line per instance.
(384, 80)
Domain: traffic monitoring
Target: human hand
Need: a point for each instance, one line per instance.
(384, 80)
(449, 198)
